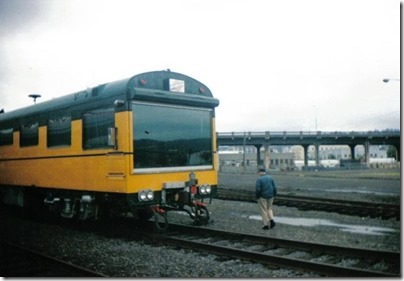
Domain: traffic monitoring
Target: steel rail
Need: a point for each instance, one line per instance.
(272, 259)
(313, 203)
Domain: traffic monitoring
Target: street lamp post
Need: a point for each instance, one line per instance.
(315, 117)
(34, 96)
(387, 80)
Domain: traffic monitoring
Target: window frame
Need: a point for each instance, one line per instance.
(25, 139)
(6, 136)
(50, 135)
(102, 138)
(145, 170)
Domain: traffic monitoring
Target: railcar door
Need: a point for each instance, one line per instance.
(117, 160)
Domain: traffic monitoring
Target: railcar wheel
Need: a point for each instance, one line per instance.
(201, 215)
(144, 215)
(160, 220)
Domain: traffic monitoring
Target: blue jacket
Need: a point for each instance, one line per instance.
(265, 187)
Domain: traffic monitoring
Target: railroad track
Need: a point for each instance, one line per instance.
(326, 260)
(19, 261)
(354, 208)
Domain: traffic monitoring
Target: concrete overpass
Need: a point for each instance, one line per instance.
(305, 139)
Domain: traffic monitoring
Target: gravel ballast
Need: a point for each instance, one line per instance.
(122, 257)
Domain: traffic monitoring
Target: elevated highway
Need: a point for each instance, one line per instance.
(305, 139)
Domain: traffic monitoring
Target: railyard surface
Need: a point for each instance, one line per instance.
(122, 257)
(374, 185)
(361, 185)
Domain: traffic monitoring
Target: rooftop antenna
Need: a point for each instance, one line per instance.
(34, 96)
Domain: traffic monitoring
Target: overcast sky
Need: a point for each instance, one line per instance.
(274, 65)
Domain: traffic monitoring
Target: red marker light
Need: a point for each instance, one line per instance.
(143, 82)
(202, 90)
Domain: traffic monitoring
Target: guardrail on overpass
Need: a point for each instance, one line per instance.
(307, 138)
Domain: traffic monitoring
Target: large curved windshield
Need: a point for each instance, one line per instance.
(171, 137)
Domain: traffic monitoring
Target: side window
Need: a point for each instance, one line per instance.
(95, 128)
(59, 132)
(29, 134)
(6, 136)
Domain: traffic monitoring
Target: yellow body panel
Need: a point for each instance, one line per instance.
(66, 167)
(105, 170)
(156, 181)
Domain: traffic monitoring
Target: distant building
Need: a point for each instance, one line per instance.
(291, 157)
(344, 152)
(283, 161)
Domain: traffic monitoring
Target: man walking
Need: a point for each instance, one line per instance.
(265, 191)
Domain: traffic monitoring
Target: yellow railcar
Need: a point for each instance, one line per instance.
(146, 145)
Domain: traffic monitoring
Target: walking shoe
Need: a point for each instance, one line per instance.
(265, 227)
(272, 224)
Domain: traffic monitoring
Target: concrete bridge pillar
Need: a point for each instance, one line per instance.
(266, 158)
(398, 153)
(352, 147)
(317, 153)
(367, 153)
(306, 160)
(258, 147)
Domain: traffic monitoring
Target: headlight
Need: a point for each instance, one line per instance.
(142, 196)
(205, 189)
(150, 195)
(146, 195)
(202, 189)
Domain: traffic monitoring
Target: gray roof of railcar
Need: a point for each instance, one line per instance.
(153, 89)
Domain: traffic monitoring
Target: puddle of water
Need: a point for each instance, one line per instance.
(362, 229)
